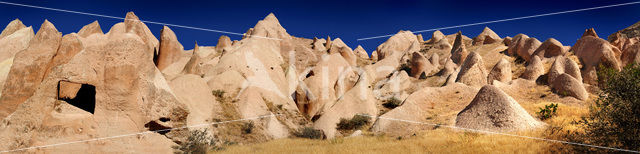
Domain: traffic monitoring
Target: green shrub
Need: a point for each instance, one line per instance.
(354, 123)
(614, 120)
(218, 93)
(310, 133)
(197, 142)
(548, 111)
(392, 103)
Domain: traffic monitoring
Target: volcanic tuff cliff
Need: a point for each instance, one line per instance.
(61, 88)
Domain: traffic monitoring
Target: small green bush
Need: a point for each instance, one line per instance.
(548, 111)
(392, 103)
(357, 122)
(197, 142)
(310, 133)
(218, 93)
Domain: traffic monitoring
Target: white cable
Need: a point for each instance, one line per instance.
(145, 132)
(144, 21)
(509, 19)
(505, 134)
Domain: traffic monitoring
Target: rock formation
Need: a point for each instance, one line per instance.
(360, 52)
(402, 42)
(90, 29)
(170, 49)
(563, 65)
(472, 71)
(487, 36)
(459, 51)
(493, 110)
(500, 72)
(592, 52)
(534, 69)
(523, 46)
(566, 85)
(550, 48)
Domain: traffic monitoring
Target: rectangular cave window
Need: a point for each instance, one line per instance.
(80, 95)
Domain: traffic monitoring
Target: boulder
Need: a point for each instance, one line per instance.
(487, 36)
(534, 69)
(29, 67)
(436, 36)
(493, 110)
(420, 65)
(500, 72)
(566, 85)
(592, 52)
(472, 71)
(459, 51)
(563, 65)
(90, 29)
(523, 46)
(627, 41)
(12, 27)
(550, 48)
(170, 49)
(402, 42)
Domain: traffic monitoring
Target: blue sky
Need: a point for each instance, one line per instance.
(348, 20)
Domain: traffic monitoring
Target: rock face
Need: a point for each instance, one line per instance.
(170, 49)
(132, 24)
(90, 29)
(27, 70)
(420, 65)
(360, 52)
(472, 71)
(590, 32)
(458, 52)
(593, 51)
(269, 27)
(627, 40)
(534, 69)
(501, 72)
(14, 42)
(223, 42)
(566, 85)
(493, 110)
(563, 65)
(12, 27)
(436, 36)
(487, 36)
(195, 64)
(402, 42)
(523, 46)
(550, 48)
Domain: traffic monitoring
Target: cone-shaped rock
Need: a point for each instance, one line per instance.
(360, 52)
(550, 48)
(592, 52)
(436, 36)
(487, 36)
(566, 85)
(374, 56)
(458, 52)
(269, 27)
(472, 71)
(627, 41)
(328, 43)
(419, 65)
(523, 46)
(13, 26)
(170, 49)
(29, 67)
(194, 66)
(133, 25)
(420, 39)
(534, 69)
(223, 41)
(14, 43)
(92, 28)
(493, 110)
(590, 32)
(563, 65)
(402, 42)
(501, 72)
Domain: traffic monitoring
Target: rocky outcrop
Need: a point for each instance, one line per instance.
(29, 67)
(436, 36)
(566, 85)
(90, 29)
(458, 52)
(550, 48)
(534, 69)
(487, 36)
(194, 66)
(223, 42)
(170, 49)
(402, 42)
(360, 52)
(472, 71)
(420, 65)
(493, 110)
(627, 41)
(14, 42)
(523, 46)
(590, 32)
(268, 28)
(563, 65)
(132, 24)
(12, 27)
(592, 52)
(500, 72)
(419, 37)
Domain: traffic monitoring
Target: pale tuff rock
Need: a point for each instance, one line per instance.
(592, 52)
(360, 52)
(500, 72)
(194, 66)
(90, 29)
(493, 110)
(550, 48)
(170, 49)
(132, 24)
(223, 42)
(337, 46)
(269, 27)
(325, 76)
(566, 85)
(328, 43)
(192, 90)
(12, 27)
(472, 71)
(507, 41)
(590, 32)
(631, 55)
(627, 40)
(436, 36)
(229, 81)
(15, 42)
(443, 44)
(29, 67)
(563, 65)
(374, 56)
(394, 86)
(402, 42)
(458, 52)
(523, 46)
(487, 36)
(419, 37)
(435, 60)
(420, 65)
(534, 69)
(318, 44)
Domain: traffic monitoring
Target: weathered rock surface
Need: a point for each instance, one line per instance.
(534, 69)
(360, 52)
(566, 85)
(170, 49)
(563, 65)
(472, 71)
(90, 29)
(592, 52)
(523, 46)
(487, 36)
(550, 48)
(500, 72)
(12, 27)
(402, 42)
(458, 51)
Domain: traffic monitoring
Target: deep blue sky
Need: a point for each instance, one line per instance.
(348, 20)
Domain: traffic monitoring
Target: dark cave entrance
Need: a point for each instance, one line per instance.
(82, 96)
